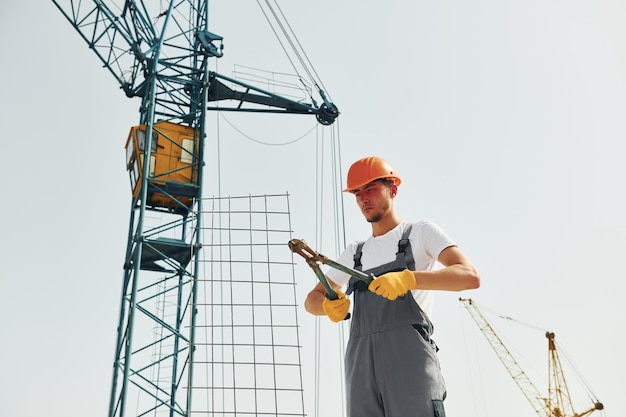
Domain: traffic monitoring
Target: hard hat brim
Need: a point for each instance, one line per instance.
(396, 181)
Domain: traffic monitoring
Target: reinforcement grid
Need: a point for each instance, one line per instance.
(247, 361)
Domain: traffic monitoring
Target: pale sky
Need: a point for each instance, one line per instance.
(504, 119)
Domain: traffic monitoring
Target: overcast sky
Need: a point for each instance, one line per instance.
(505, 121)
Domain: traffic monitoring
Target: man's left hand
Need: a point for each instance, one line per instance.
(393, 284)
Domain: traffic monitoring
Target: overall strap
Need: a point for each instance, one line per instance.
(403, 243)
(355, 284)
(403, 256)
(357, 256)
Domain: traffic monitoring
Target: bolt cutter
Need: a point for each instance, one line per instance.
(314, 259)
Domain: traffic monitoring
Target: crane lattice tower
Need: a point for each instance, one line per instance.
(160, 53)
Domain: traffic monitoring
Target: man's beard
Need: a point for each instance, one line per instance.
(375, 218)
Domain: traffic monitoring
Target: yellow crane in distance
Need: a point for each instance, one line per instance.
(558, 402)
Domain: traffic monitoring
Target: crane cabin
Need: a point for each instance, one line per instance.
(173, 169)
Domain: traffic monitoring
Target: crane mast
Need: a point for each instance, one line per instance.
(558, 403)
(159, 52)
(558, 392)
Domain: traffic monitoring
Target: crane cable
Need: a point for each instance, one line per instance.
(340, 243)
(262, 142)
(294, 43)
(479, 387)
(579, 375)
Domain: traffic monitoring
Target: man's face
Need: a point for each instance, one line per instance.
(374, 200)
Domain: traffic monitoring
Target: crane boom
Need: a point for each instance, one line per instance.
(530, 391)
(559, 402)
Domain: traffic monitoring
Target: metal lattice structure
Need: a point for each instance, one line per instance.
(160, 53)
(248, 345)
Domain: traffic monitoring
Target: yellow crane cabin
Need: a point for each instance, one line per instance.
(173, 170)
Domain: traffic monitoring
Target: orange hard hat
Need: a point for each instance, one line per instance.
(368, 169)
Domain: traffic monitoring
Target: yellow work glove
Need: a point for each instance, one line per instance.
(336, 310)
(393, 284)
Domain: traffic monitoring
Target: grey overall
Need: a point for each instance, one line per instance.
(392, 369)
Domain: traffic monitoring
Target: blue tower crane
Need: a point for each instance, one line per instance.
(160, 52)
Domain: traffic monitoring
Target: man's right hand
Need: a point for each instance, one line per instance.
(336, 310)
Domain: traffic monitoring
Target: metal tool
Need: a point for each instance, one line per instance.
(314, 259)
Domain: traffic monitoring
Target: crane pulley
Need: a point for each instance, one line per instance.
(558, 402)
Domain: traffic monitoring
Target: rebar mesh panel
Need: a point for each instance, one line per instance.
(247, 361)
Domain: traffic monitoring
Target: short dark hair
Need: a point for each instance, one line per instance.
(387, 182)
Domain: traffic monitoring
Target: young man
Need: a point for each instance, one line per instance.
(392, 368)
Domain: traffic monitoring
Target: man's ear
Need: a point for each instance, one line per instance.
(393, 188)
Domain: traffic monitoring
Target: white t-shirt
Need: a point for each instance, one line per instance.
(427, 241)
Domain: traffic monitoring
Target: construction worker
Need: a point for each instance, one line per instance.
(391, 363)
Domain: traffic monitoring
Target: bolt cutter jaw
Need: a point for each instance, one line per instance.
(313, 259)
